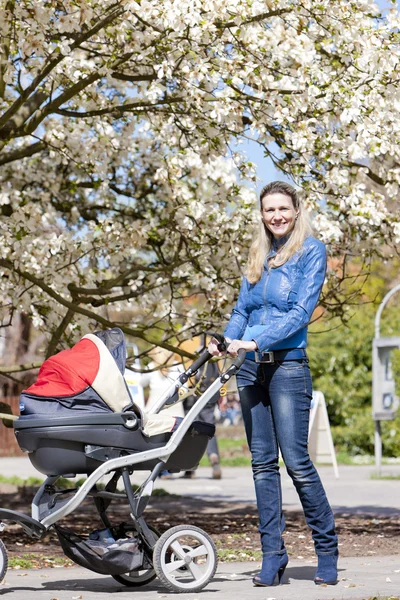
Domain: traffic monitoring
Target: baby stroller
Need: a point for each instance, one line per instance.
(78, 418)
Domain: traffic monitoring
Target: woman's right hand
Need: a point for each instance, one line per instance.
(213, 347)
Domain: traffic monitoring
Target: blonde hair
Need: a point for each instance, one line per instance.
(264, 239)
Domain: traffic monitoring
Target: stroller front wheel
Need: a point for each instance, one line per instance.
(3, 561)
(185, 558)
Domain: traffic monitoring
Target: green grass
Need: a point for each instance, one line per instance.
(35, 561)
(162, 492)
(26, 561)
(36, 481)
(383, 598)
(388, 477)
(235, 461)
(234, 453)
(69, 484)
(231, 443)
(229, 555)
(14, 480)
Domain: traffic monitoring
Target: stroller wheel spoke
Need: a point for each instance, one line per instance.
(199, 551)
(195, 570)
(174, 566)
(178, 550)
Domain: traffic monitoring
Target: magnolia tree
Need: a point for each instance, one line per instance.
(124, 194)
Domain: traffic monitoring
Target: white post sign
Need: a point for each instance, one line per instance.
(320, 443)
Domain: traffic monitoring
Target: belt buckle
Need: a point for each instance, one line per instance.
(266, 358)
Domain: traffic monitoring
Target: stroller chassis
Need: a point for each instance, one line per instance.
(175, 562)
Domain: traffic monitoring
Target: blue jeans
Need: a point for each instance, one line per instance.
(275, 401)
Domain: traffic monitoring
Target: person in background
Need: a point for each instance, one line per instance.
(157, 381)
(230, 410)
(285, 273)
(204, 379)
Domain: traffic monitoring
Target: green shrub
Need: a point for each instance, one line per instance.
(341, 365)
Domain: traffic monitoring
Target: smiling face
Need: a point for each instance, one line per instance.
(278, 214)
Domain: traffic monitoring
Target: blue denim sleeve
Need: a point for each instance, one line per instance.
(239, 317)
(313, 275)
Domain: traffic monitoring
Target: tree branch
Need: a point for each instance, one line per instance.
(20, 368)
(5, 45)
(255, 19)
(371, 174)
(55, 338)
(133, 78)
(117, 109)
(22, 152)
(6, 122)
(53, 106)
(7, 264)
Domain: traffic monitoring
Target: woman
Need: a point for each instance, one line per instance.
(285, 273)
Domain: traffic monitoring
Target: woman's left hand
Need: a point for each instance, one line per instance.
(237, 345)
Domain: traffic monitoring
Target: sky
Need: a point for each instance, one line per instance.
(266, 171)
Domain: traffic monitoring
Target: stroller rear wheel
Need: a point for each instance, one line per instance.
(3, 561)
(136, 578)
(185, 558)
(139, 577)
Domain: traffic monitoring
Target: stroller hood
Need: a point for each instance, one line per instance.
(88, 377)
(91, 372)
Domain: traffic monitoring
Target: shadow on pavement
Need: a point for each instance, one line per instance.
(366, 511)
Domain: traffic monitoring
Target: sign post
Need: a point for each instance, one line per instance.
(384, 400)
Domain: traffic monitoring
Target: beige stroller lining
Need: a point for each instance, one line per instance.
(110, 385)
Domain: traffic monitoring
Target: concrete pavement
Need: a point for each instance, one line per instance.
(360, 579)
(355, 491)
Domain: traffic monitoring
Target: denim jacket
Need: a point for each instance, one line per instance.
(275, 311)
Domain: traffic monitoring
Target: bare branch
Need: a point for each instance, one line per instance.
(5, 45)
(133, 78)
(20, 368)
(118, 109)
(255, 19)
(371, 174)
(22, 152)
(55, 338)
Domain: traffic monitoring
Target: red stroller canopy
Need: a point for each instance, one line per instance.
(69, 372)
(97, 361)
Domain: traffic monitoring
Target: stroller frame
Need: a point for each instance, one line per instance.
(50, 504)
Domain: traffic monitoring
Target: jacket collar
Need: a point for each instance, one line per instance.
(278, 243)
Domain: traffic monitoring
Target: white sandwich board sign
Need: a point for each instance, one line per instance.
(320, 443)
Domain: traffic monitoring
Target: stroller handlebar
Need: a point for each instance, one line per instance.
(205, 356)
(237, 363)
(199, 362)
(235, 366)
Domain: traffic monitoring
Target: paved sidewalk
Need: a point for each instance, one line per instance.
(361, 579)
(354, 492)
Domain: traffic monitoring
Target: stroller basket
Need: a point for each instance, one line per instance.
(104, 558)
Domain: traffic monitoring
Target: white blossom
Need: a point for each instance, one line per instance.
(124, 187)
